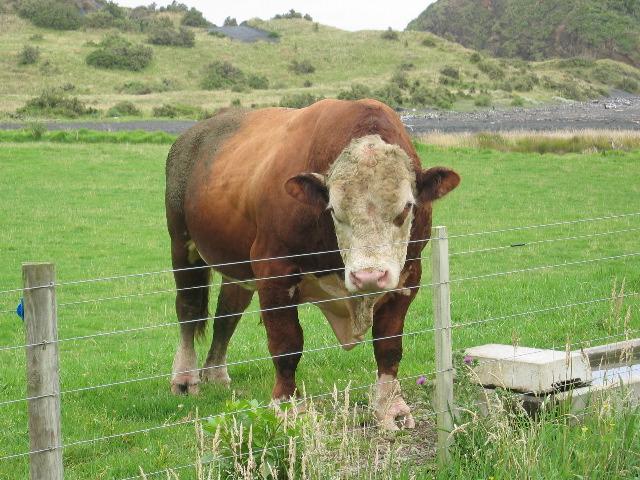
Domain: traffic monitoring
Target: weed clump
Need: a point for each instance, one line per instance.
(56, 102)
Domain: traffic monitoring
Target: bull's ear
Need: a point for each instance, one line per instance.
(308, 188)
(435, 183)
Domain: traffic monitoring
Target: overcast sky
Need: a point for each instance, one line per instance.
(349, 15)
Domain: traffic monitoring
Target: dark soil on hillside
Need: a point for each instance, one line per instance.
(620, 111)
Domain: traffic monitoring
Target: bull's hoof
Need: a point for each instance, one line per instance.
(215, 375)
(396, 416)
(182, 385)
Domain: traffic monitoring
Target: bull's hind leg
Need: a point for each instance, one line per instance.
(192, 278)
(232, 301)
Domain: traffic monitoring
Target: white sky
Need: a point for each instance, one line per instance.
(349, 15)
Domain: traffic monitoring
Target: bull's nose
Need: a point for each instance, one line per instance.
(370, 280)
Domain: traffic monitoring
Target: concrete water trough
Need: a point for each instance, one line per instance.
(542, 376)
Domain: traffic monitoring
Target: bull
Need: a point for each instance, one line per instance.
(326, 204)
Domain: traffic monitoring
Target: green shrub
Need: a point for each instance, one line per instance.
(259, 82)
(356, 92)
(222, 75)
(57, 16)
(55, 102)
(390, 94)
(439, 97)
(400, 78)
(517, 101)
(194, 18)
(483, 100)
(299, 101)
(29, 55)
(52, 14)
(390, 35)
(140, 88)
(163, 32)
(173, 111)
(124, 109)
(451, 72)
(429, 42)
(301, 68)
(118, 53)
(491, 69)
(475, 57)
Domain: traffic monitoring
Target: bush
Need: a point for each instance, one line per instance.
(390, 35)
(493, 71)
(356, 92)
(222, 75)
(429, 42)
(173, 111)
(451, 72)
(299, 101)
(56, 102)
(163, 32)
(29, 55)
(259, 82)
(117, 53)
(57, 16)
(475, 57)
(194, 18)
(439, 97)
(124, 109)
(390, 94)
(140, 88)
(483, 100)
(301, 68)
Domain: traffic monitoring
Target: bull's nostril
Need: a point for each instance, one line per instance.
(383, 281)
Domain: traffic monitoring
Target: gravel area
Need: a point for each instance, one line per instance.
(620, 111)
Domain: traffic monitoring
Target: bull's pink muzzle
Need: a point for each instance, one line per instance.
(370, 280)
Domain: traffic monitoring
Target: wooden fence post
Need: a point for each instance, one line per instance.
(43, 383)
(444, 356)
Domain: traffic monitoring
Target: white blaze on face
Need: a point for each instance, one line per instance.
(371, 198)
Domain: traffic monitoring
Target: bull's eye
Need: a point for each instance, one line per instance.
(399, 220)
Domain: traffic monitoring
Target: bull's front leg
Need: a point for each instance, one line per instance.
(278, 302)
(391, 410)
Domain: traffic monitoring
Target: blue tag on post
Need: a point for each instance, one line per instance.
(20, 309)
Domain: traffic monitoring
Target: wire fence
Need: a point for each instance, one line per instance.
(630, 330)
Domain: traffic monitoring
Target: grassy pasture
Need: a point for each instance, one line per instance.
(96, 210)
(340, 59)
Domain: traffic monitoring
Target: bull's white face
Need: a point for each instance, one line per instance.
(371, 189)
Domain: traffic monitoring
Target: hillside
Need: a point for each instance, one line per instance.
(537, 30)
(50, 73)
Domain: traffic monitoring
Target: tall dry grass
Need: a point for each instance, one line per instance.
(561, 141)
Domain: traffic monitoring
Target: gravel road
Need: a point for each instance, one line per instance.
(620, 111)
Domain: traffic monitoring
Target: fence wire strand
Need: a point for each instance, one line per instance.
(166, 271)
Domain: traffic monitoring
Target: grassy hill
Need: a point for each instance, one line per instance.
(534, 30)
(309, 61)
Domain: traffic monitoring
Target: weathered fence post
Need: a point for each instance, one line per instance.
(442, 325)
(43, 383)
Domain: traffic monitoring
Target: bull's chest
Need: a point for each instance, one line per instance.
(332, 297)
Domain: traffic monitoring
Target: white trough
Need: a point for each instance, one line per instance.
(542, 375)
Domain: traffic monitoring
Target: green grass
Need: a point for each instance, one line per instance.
(96, 210)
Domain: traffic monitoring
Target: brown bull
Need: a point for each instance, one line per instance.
(281, 184)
